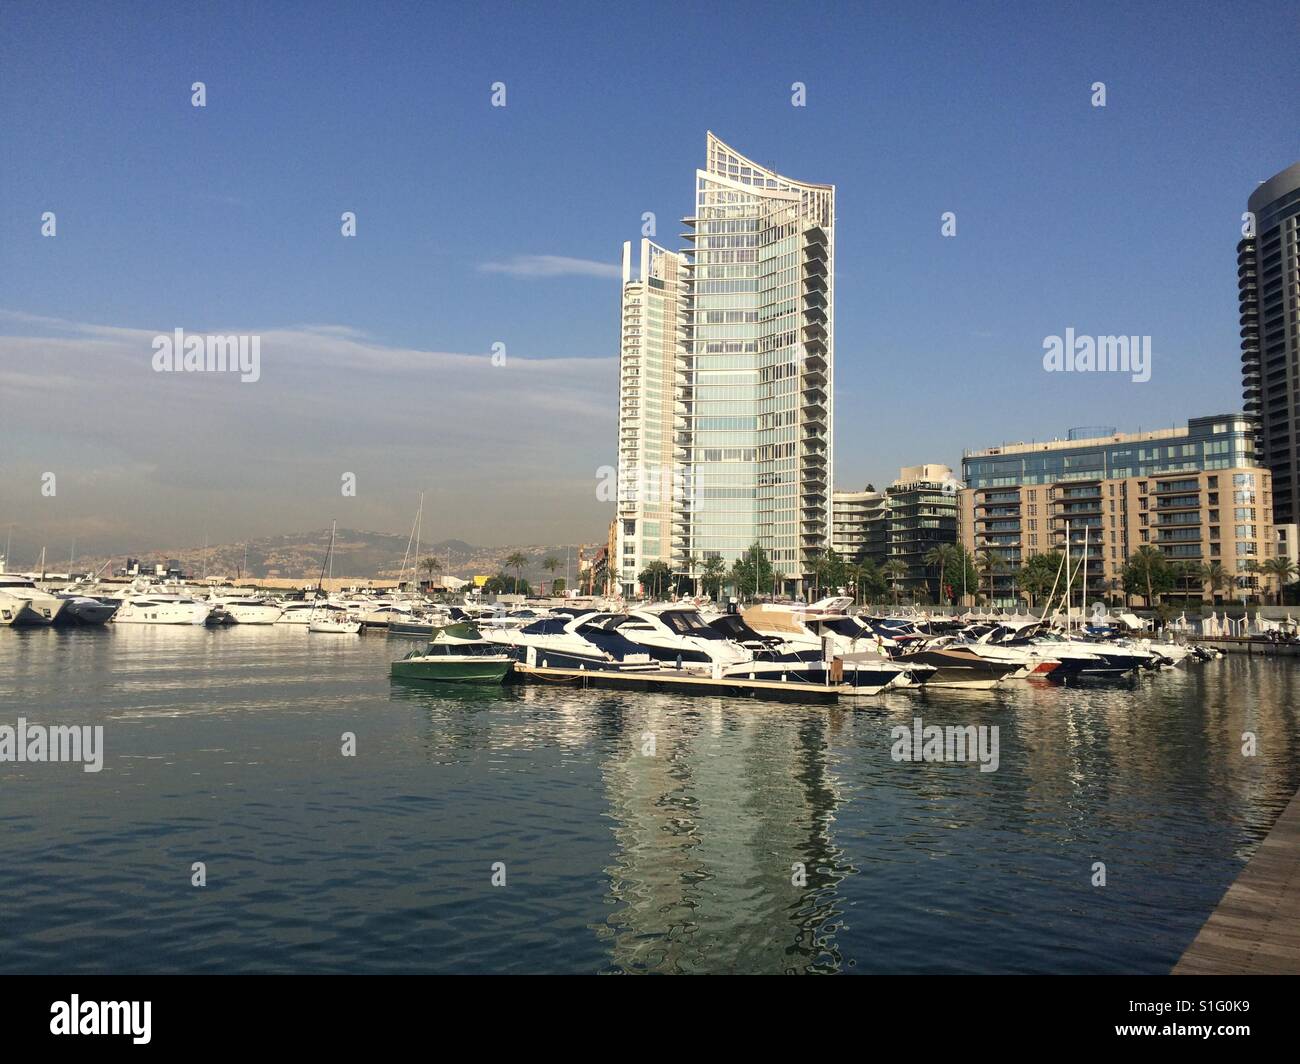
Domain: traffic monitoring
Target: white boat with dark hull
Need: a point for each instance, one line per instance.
(585, 641)
(22, 603)
(822, 628)
(84, 611)
(802, 660)
(679, 636)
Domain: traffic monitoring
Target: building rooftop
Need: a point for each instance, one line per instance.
(1075, 438)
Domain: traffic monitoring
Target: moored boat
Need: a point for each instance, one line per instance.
(457, 654)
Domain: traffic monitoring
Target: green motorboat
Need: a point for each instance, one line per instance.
(457, 654)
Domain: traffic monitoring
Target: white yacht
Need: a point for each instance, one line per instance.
(248, 609)
(23, 603)
(790, 643)
(678, 635)
(582, 641)
(145, 608)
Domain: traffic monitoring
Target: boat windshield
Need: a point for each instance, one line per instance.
(845, 626)
(463, 650)
(688, 622)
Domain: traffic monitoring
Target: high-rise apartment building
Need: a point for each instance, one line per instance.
(1195, 492)
(1268, 281)
(754, 301)
(648, 367)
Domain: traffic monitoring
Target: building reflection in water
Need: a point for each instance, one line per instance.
(708, 828)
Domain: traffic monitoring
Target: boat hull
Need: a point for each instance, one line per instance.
(955, 669)
(85, 612)
(479, 672)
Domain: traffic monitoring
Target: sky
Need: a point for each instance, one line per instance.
(479, 226)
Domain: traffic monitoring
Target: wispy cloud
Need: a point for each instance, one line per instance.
(542, 266)
(512, 446)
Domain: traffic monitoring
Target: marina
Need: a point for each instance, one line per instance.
(223, 745)
(822, 498)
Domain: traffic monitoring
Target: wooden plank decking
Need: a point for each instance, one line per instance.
(1255, 929)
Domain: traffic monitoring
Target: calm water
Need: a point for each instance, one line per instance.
(224, 747)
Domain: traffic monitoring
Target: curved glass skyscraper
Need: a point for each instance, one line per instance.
(754, 372)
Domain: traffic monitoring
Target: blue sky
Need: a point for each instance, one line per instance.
(1120, 219)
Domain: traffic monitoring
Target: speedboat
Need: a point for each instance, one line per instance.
(1169, 654)
(680, 636)
(868, 660)
(792, 657)
(1029, 659)
(1092, 661)
(457, 654)
(959, 666)
(585, 641)
(84, 610)
(23, 603)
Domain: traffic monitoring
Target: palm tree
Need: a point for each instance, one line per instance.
(941, 555)
(1281, 567)
(550, 565)
(1216, 576)
(517, 561)
(894, 571)
(712, 573)
(1147, 560)
(989, 562)
(431, 565)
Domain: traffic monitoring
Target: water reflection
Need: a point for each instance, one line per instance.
(644, 832)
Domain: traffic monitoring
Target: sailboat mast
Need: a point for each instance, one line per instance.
(1083, 586)
(1069, 576)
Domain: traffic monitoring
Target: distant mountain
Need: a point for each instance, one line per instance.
(360, 554)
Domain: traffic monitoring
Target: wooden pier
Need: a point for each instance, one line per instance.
(679, 680)
(1255, 929)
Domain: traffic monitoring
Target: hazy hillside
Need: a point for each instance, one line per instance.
(360, 554)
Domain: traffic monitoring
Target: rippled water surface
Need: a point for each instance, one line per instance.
(224, 747)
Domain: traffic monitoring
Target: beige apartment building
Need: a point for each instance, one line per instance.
(1194, 492)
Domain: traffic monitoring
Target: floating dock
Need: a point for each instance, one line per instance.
(1241, 645)
(679, 680)
(1255, 929)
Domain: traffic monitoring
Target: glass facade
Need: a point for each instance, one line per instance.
(756, 364)
(1225, 442)
(726, 378)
